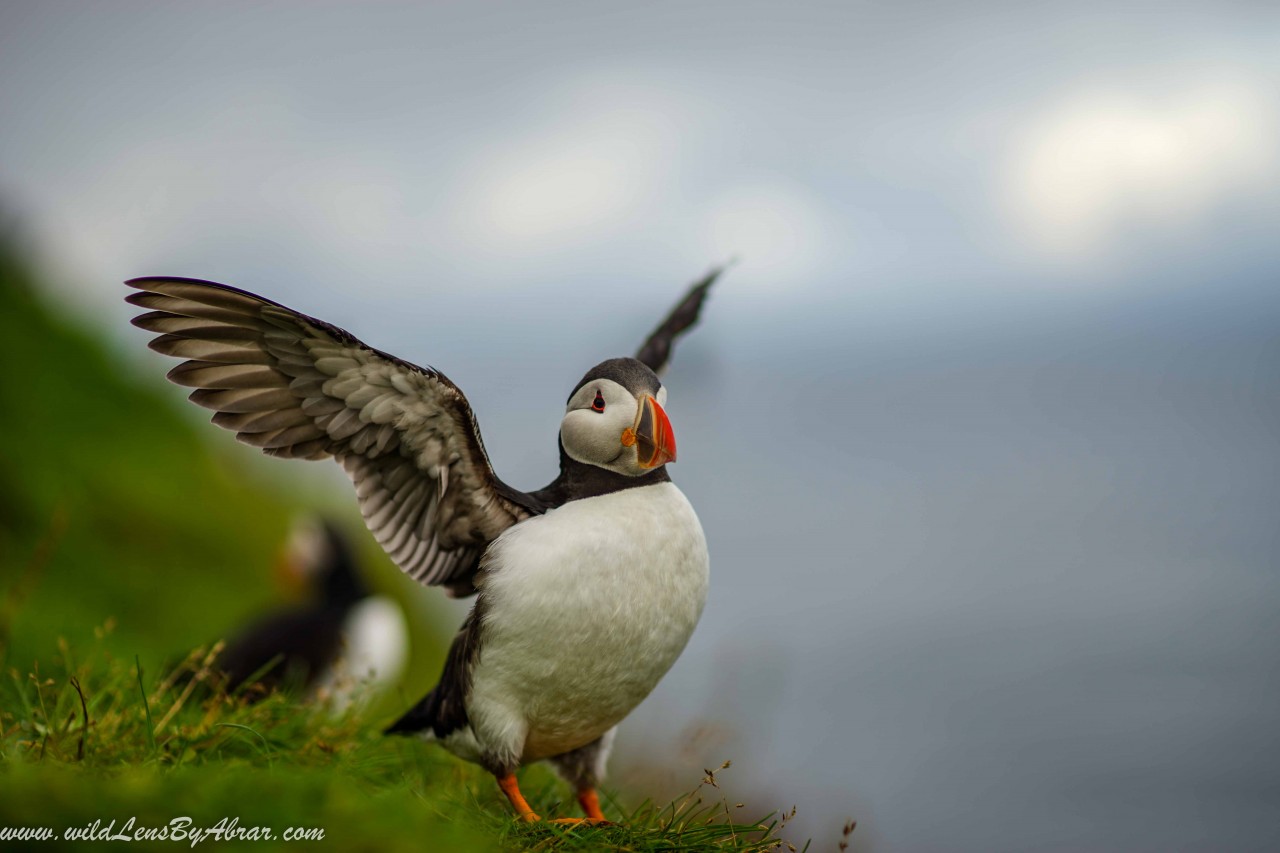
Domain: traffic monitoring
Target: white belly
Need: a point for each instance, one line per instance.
(587, 607)
(375, 643)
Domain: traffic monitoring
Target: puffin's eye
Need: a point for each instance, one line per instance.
(598, 405)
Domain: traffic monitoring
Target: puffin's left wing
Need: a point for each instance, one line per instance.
(298, 387)
(655, 352)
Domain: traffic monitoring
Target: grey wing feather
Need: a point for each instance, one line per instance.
(298, 387)
(655, 352)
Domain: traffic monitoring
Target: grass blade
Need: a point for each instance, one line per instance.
(151, 731)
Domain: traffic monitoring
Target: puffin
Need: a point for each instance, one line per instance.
(344, 642)
(586, 591)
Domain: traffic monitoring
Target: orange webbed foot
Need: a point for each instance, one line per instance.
(578, 821)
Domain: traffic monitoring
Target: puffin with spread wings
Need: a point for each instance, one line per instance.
(586, 590)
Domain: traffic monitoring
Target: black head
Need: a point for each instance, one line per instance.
(635, 376)
(614, 420)
(319, 558)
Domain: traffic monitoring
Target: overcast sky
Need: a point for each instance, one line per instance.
(982, 425)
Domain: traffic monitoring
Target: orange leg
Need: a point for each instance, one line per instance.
(512, 790)
(590, 804)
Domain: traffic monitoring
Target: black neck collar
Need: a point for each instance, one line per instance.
(579, 480)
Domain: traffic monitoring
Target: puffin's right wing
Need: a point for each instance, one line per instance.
(298, 387)
(655, 352)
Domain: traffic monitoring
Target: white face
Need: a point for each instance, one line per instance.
(308, 549)
(594, 424)
(305, 556)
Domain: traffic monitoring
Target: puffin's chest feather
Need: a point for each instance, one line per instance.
(590, 604)
(602, 560)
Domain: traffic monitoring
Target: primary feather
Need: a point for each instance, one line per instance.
(298, 387)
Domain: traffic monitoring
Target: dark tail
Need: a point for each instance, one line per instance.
(417, 719)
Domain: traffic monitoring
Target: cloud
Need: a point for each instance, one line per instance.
(1106, 159)
(600, 157)
(635, 170)
(775, 227)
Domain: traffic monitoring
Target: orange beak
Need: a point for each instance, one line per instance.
(655, 440)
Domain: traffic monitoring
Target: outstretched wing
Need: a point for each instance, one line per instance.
(298, 387)
(656, 350)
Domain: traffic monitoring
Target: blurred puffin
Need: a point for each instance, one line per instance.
(588, 589)
(343, 641)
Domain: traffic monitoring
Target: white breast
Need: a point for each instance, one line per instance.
(586, 608)
(375, 643)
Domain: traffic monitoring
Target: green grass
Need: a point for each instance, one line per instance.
(126, 540)
(154, 754)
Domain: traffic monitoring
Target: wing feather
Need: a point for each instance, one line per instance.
(655, 352)
(298, 387)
